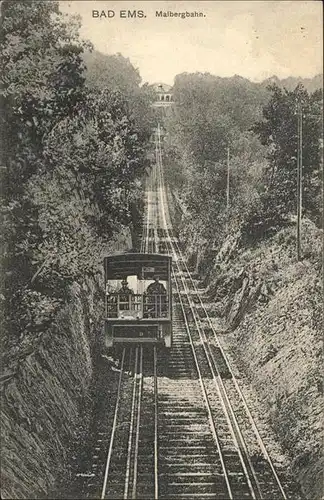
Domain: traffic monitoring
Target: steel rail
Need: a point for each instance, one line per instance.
(150, 244)
(221, 391)
(150, 216)
(200, 378)
(156, 429)
(175, 249)
(130, 437)
(204, 392)
(223, 398)
(146, 245)
(138, 418)
(145, 220)
(109, 454)
(156, 450)
(222, 395)
(237, 387)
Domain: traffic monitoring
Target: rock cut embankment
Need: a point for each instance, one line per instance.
(268, 309)
(43, 391)
(271, 307)
(46, 391)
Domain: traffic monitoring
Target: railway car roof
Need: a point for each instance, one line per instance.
(145, 266)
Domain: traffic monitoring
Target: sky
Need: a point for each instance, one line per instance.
(254, 39)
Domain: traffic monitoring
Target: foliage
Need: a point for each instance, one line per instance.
(211, 115)
(258, 126)
(116, 73)
(111, 71)
(278, 131)
(72, 160)
(42, 80)
(102, 148)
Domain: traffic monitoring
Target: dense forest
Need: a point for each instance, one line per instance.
(73, 159)
(231, 161)
(220, 124)
(73, 153)
(75, 126)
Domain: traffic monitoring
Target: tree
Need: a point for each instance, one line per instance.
(102, 147)
(210, 115)
(41, 81)
(116, 73)
(278, 131)
(72, 159)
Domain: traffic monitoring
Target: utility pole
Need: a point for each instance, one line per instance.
(227, 190)
(299, 177)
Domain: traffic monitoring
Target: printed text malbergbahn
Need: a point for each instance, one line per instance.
(182, 15)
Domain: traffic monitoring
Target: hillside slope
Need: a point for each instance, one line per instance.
(270, 310)
(46, 390)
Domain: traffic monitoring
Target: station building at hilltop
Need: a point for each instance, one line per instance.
(164, 95)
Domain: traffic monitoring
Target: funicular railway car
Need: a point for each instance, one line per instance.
(138, 299)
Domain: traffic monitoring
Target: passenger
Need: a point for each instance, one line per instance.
(156, 299)
(124, 295)
(156, 288)
(111, 301)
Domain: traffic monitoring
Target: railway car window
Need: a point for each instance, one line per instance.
(156, 287)
(138, 299)
(155, 300)
(124, 292)
(138, 290)
(124, 298)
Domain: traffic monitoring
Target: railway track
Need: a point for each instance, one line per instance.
(122, 460)
(244, 471)
(247, 469)
(129, 467)
(180, 426)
